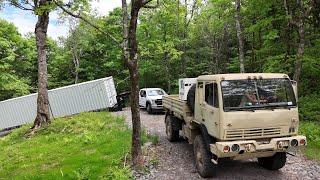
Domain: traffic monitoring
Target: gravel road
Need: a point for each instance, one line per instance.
(176, 160)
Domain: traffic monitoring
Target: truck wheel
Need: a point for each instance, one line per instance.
(191, 97)
(172, 128)
(203, 158)
(149, 108)
(274, 162)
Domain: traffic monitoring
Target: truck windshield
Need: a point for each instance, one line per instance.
(155, 92)
(257, 94)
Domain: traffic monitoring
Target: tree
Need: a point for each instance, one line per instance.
(130, 54)
(12, 84)
(239, 35)
(43, 116)
(41, 8)
(129, 47)
(76, 51)
(298, 19)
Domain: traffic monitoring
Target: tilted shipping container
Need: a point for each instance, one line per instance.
(64, 101)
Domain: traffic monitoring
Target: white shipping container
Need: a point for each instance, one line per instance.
(184, 86)
(64, 101)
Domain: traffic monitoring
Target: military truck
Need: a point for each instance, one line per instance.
(236, 116)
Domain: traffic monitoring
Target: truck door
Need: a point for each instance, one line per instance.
(142, 98)
(210, 108)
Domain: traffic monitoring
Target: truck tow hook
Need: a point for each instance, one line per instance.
(214, 161)
(290, 154)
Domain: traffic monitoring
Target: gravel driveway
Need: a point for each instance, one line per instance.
(176, 160)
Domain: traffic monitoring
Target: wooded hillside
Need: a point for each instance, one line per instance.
(178, 39)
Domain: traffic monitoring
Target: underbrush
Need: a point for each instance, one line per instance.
(312, 131)
(309, 107)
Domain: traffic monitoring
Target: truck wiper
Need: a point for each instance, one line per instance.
(279, 106)
(241, 109)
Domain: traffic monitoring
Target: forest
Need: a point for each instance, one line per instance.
(177, 39)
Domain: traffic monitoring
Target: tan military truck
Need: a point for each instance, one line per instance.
(236, 116)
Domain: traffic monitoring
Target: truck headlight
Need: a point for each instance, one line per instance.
(235, 147)
(294, 142)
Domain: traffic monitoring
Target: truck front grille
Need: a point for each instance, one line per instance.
(158, 101)
(252, 133)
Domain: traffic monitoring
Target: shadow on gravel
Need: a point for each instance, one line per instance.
(230, 169)
(242, 169)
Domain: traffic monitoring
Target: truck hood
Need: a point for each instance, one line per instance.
(155, 97)
(259, 118)
(259, 124)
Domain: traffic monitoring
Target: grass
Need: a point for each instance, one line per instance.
(312, 131)
(85, 146)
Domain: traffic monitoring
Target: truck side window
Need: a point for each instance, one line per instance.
(209, 94)
(215, 95)
(142, 93)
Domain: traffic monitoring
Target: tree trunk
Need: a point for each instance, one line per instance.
(167, 68)
(130, 49)
(253, 53)
(76, 66)
(217, 56)
(298, 21)
(74, 49)
(239, 35)
(166, 60)
(43, 117)
(300, 52)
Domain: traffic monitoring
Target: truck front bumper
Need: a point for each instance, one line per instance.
(157, 107)
(246, 149)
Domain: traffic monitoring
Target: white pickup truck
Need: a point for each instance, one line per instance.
(151, 99)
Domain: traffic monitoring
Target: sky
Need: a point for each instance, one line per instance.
(25, 21)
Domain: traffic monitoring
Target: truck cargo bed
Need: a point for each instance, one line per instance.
(179, 108)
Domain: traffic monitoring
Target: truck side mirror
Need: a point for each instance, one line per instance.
(295, 88)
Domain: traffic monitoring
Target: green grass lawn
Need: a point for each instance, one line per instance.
(85, 146)
(312, 131)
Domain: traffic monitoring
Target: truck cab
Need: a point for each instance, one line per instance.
(151, 99)
(237, 116)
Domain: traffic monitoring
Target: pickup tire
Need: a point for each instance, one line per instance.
(203, 158)
(149, 108)
(172, 128)
(275, 162)
(191, 97)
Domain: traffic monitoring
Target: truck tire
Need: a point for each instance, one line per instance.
(203, 158)
(149, 108)
(191, 97)
(172, 128)
(275, 162)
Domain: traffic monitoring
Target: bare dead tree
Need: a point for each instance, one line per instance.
(76, 50)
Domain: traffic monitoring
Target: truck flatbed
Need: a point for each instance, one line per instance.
(180, 108)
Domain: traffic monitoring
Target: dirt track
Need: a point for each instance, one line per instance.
(176, 160)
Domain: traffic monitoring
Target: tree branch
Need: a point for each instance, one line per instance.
(16, 4)
(78, 16)
(192, 12)
(145, 2)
